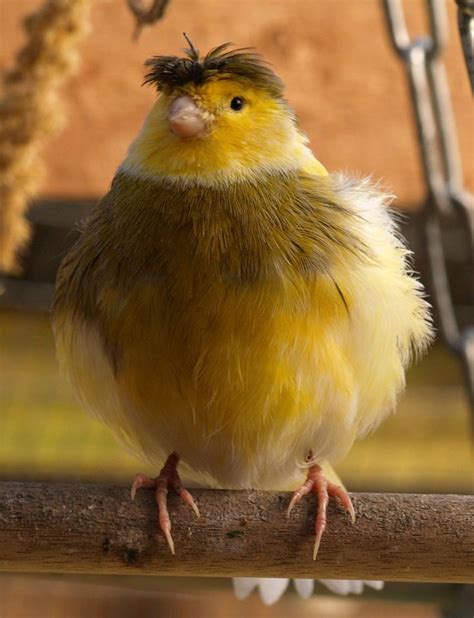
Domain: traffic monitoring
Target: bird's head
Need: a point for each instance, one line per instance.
(220, 116)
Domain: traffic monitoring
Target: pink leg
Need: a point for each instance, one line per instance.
(168, 478)
(317, 483)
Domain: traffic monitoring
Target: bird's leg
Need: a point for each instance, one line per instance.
(167, 478)
(317, 483)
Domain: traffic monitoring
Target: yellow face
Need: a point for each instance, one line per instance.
(245, 130)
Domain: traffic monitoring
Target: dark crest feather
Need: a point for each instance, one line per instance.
(169, 73)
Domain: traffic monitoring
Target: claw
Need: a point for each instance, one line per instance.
(317, 483)
(290, 506)
(317, 543)
(293, 501)
(141, 481)
(298, 494)
(168, 478)
(341, 494)
(169, 538)
(350, 509)
(186, 497)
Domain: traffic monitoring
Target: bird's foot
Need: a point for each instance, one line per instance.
(317, 483)
(167, 479)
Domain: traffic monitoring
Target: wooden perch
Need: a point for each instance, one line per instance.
(97, 529)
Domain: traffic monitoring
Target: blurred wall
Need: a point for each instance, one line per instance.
(342, 77)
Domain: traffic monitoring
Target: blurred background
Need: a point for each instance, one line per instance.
(350, 93)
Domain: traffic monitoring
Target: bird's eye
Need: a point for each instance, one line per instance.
(237, 103)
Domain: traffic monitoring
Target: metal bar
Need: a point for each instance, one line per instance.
(440, 158)
(426, 127)
(444, 116)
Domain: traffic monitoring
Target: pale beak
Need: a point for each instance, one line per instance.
(185, 117)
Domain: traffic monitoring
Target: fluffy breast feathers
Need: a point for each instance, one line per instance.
(242, 325)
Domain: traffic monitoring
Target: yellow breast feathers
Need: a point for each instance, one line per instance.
(232, 325)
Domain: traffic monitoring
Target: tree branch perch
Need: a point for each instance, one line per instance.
(97, 529)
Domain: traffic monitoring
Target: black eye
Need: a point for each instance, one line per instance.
(237, 103)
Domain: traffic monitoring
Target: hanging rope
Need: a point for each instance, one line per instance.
(30, 112)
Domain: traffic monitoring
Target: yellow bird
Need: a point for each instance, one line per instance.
(231, 302)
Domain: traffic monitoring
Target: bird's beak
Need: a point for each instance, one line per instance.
(185, 117)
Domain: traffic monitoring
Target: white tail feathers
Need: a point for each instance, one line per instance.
(304, 587)
(272, 589)
(350, 586)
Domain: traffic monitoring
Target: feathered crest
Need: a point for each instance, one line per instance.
(168, 73)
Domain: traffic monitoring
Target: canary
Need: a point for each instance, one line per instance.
(231, 304)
